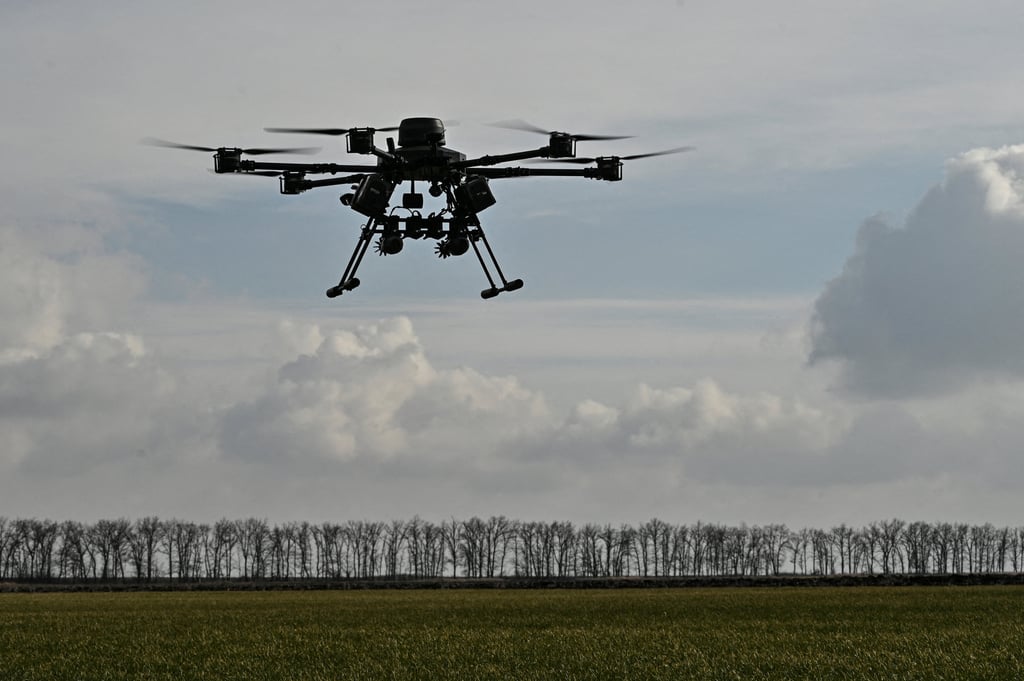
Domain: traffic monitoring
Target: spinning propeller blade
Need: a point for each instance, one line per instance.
(326, 131)
(154, 142)
(631, 157)
(517, 124)
(256, 151)
(295, 150)
(261, 173)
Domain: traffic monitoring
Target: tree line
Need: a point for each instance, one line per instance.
(253, 549)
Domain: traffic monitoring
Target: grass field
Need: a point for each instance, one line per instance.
(727, 633)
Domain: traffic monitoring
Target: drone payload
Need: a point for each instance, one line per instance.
(419, 156)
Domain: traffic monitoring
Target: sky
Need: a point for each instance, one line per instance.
(812, 318)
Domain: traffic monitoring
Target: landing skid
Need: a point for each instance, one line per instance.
(513, 285)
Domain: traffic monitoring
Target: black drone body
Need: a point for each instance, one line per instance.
(419, 156)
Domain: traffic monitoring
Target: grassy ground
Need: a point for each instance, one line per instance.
(825, 633)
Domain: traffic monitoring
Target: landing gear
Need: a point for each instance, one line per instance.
(349, 280)
(476, 233)
(456, 230)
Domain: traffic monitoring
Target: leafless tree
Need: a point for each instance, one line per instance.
(564, 544)
(917, 545)
(254, 549)
(251, 535)
(109, 540)
(394, 548)
(451, 531)
(776, 538)
(71, 556)
(498, 535)
(682, 558)
(223, 539)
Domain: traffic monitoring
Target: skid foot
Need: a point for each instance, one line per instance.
(513, 285)
(336, 291)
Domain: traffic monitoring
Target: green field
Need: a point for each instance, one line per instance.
(724, 633)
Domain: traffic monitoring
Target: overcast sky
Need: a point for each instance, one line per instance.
(816, 317)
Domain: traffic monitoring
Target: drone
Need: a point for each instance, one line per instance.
(420, 155)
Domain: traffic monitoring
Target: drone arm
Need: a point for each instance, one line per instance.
(296, 183)
(310, 168)
(543, 152)
(348, 179)
(611, 174)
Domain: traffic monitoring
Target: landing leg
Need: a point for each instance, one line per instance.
(349, 280)
(514, 285)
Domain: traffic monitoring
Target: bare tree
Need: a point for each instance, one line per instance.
(394, 548)
(304, 549)
(109, 539)
(254, 549)
(251, 535)
(451, 532)
(223, 539)
(471, 539)
(564, 542)
(917, 542)
(798, 544)
(145, 541)
(776, 538)
(71, 554)
(682, 559)
(498, 535)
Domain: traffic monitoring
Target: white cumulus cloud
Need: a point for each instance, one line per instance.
(938, 302)
(372, 394)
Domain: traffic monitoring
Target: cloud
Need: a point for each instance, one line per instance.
(59, 277)
(866, 88)
(371, 395)
(937, 303)
(92, 399)
(30, 299)
(368, 401)
(360, 412)
(701, 433)
(75, 389)
(214, 408)
(706, 436)
(337, 403)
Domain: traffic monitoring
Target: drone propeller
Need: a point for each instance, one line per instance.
(256, 151)
(518, 124)
(261, 173)
(631, 157)
(326, 131)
